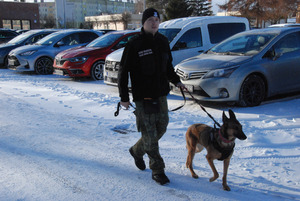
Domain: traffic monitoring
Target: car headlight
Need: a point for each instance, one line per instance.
(28, 53)
(224, 72)
(79, 60)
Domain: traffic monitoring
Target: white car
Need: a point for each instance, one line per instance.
(39, 56)
(188, 37)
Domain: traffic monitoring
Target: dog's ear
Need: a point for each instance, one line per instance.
(231, 114)
(224, 117)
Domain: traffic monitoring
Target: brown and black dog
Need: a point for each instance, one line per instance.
(219, 144)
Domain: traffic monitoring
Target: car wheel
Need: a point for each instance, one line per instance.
(44, 66)
(5, 64)
(252, 92)
(97, 70)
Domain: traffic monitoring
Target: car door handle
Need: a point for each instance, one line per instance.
(201, 51)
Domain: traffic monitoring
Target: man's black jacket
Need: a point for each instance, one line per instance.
(148, 59)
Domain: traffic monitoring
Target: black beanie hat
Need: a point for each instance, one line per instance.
(149, 12)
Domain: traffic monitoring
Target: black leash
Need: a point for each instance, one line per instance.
(119, 105)
(183, 95)
(216, 123)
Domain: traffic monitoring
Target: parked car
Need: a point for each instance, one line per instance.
(246, 68)
(39, 56)
(27, 38)
(188, 37)
(7, 35)
(20, 31)
(88, 61)
(286, 25)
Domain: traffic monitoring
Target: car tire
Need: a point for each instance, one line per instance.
(252, 92)
(44, 66)
(5, 64)
(97, 70)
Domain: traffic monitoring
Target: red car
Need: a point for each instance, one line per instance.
(88, 61)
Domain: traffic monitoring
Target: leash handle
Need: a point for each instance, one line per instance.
(119, 107)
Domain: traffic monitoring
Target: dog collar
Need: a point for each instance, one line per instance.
(222, 138)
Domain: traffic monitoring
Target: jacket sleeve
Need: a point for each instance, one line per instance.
(123, 73)
(171, 74)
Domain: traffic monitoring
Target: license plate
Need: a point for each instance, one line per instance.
(190, 88)
(11, 62)
(58, 72)
(112, 74)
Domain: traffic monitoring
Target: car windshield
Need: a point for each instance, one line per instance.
(50, 39)
(247, 44)
(20, 38)
(105, 40)
(169, 33)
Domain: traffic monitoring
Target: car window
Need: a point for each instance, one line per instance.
(169, 33)
(37, 38)
(6, 34)
(123, 42)
(247, 44)
(289, 43)
(105, 40)
(20, 38)
(71, 39)
(220, 31)
(190, 39)
(86, 37)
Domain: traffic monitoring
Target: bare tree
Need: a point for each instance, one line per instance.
(115, 19)
(262, 10)
(126, 17)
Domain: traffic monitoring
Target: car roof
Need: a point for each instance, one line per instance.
(276, 30)
(286, 25)
(124, 32)
(180, 23)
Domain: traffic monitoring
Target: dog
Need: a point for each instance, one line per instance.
(219, 144)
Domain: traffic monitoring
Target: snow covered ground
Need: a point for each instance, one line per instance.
(57, 142)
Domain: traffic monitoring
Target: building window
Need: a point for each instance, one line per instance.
(16, 24)
(6, 24)
(26, 24)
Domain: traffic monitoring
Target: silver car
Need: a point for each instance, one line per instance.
(39, 56)
(246, 68)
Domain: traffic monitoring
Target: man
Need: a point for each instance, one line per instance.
(148, 59)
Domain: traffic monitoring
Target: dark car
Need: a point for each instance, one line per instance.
(27, 38)
(246, 68)
(7, 35)
(88, 61)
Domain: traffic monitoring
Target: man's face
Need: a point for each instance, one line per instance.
(151, 25)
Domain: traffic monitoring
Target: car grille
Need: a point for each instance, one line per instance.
(112, 65)
(190, 75)
(60, 61)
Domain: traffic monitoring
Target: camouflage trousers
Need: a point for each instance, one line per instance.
(152, 127)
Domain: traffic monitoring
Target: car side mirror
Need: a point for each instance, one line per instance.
(273, 54)
(59, 43)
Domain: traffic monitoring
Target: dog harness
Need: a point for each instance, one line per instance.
(225, 151)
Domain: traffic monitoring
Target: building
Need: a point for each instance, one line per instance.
(72, 13)
(18, 15)
(115, 22)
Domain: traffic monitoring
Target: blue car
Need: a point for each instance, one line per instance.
(26, 38)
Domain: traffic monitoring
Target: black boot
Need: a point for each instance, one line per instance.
(160, 178)
(139, 162)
